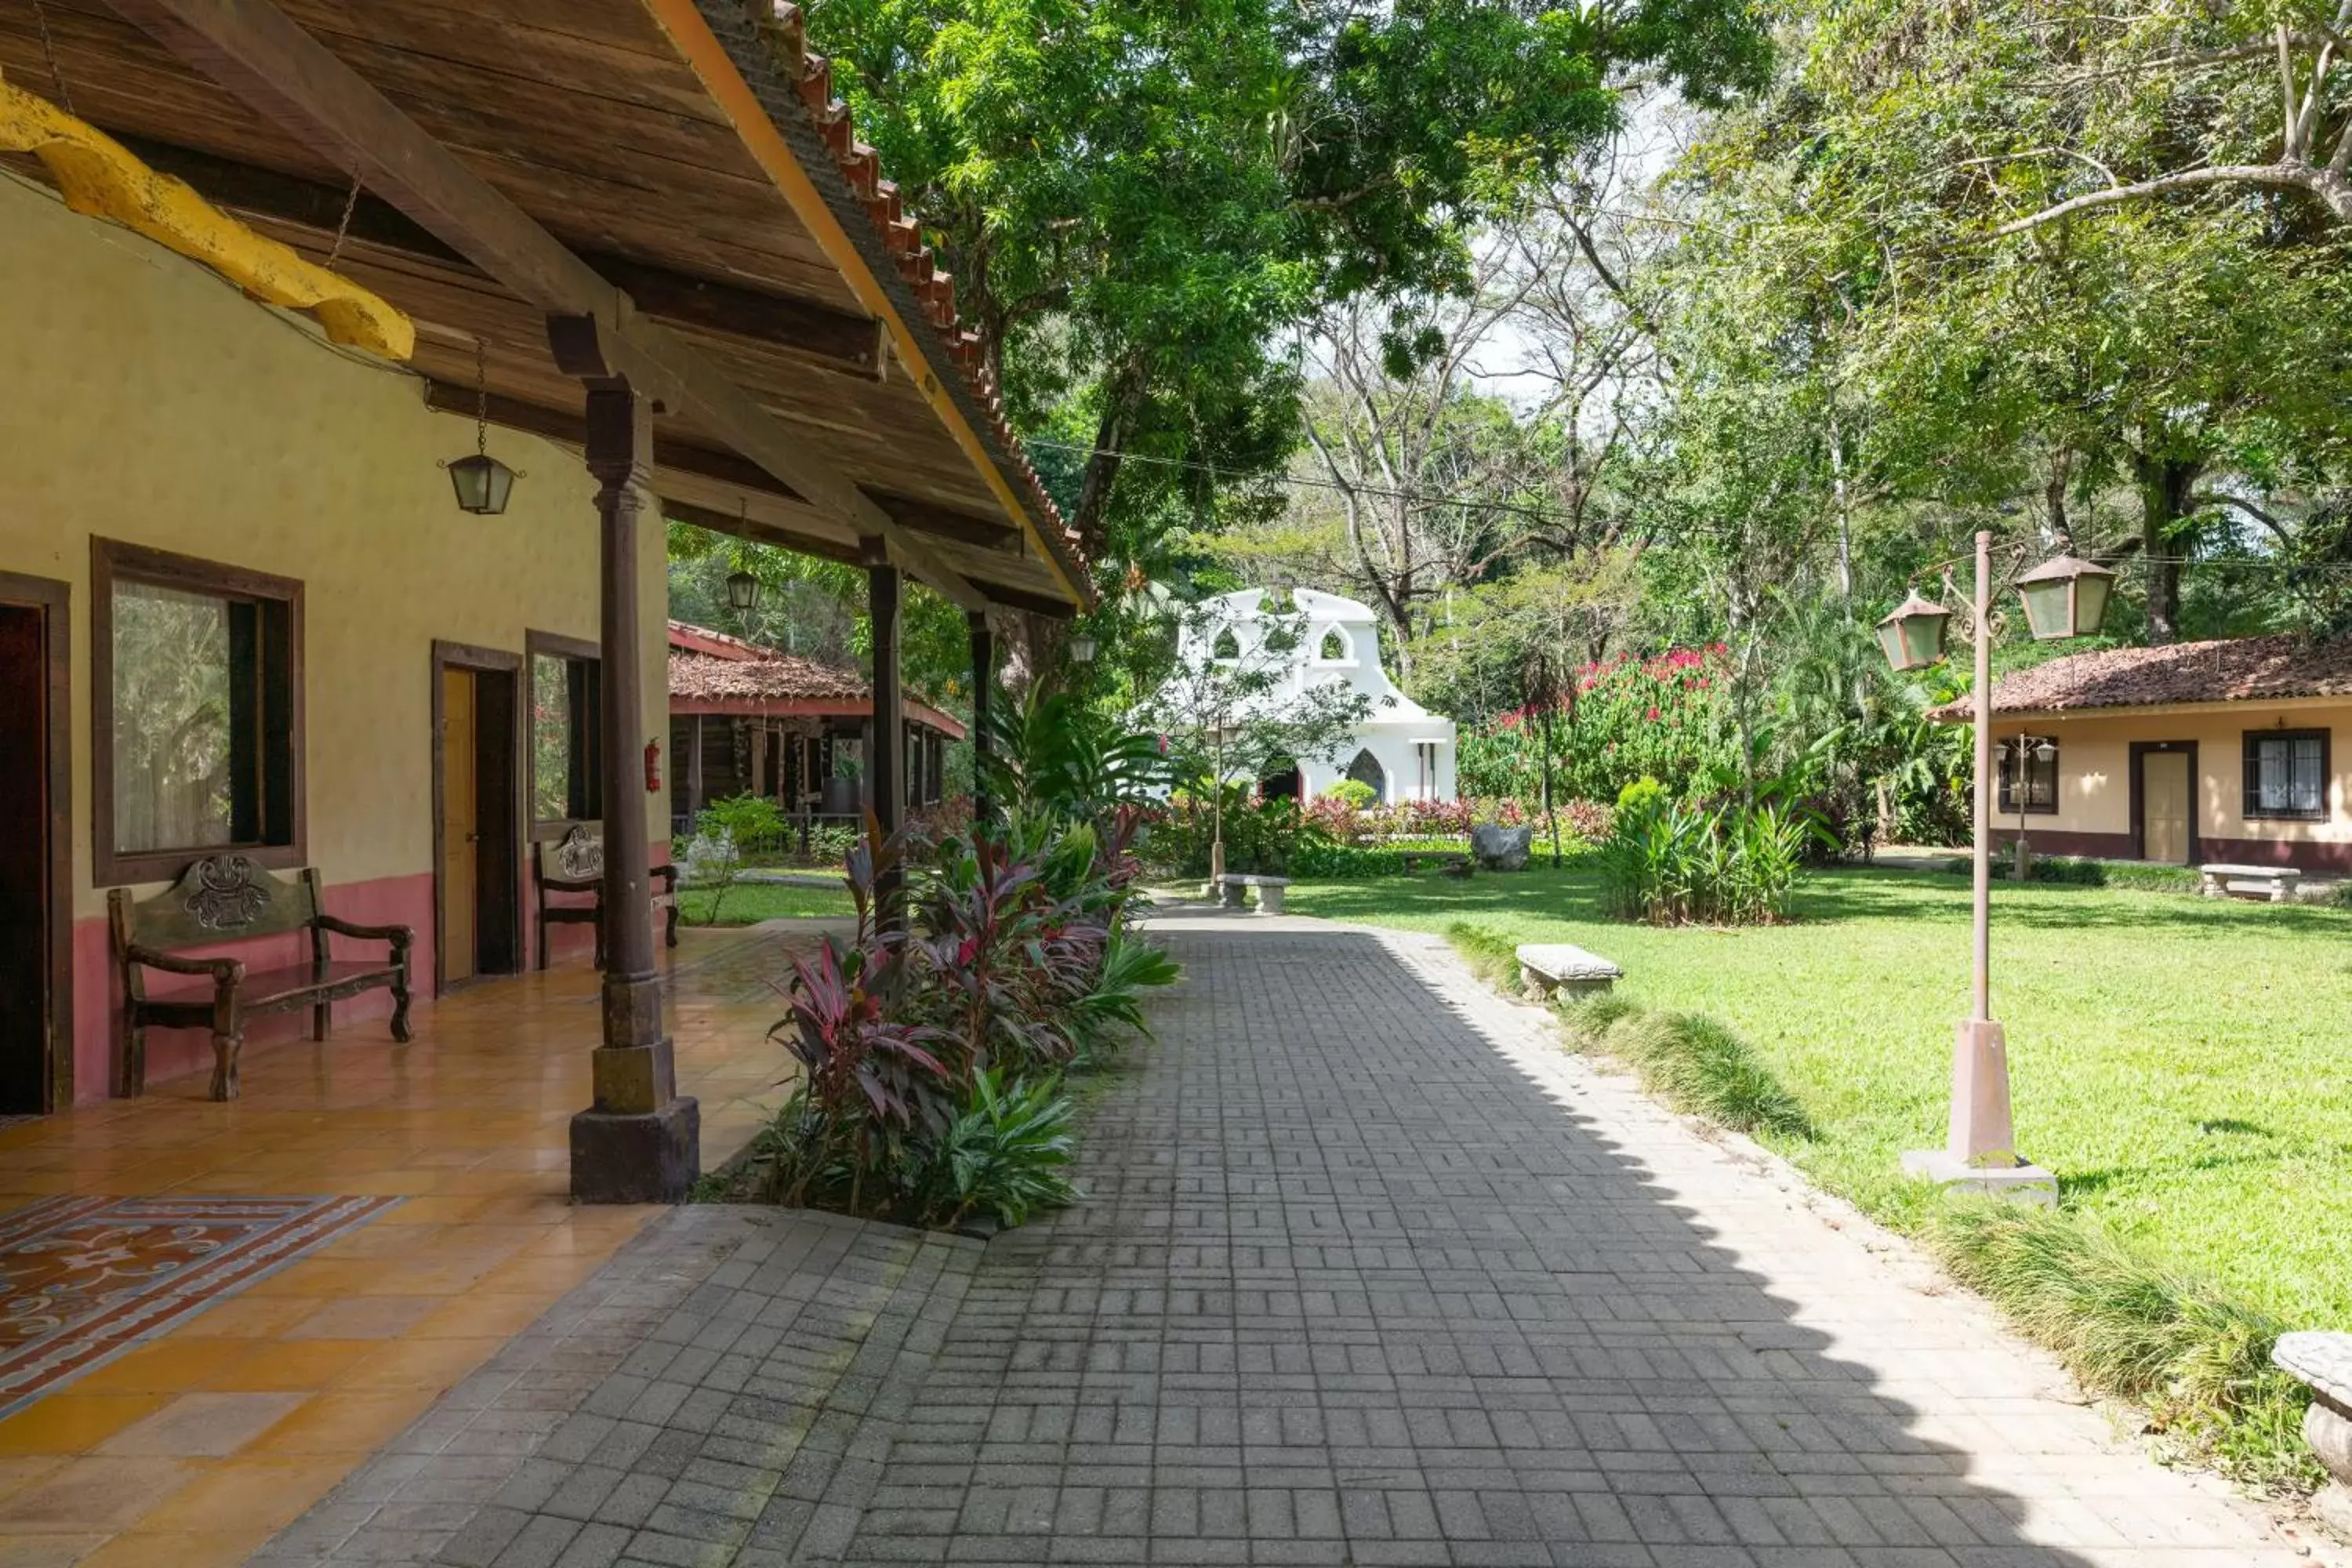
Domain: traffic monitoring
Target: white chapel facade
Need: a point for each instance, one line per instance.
(1401, 748)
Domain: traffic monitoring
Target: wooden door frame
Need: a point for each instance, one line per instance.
(53, 599)
(482, 661)
(2139, 750)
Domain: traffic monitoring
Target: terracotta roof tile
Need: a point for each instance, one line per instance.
(746, 668)
(2241, 669)
(781, 677)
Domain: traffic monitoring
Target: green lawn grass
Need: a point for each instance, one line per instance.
(748, 903)
(2184, 1066)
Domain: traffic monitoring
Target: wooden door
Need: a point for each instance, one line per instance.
(460, 824)
(24, 911)
(2165, 799)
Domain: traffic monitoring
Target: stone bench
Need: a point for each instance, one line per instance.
(1269, 890)
(2273, 882)
(1547, 968)
(2322, 1362)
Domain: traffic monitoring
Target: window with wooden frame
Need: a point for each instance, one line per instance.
(567, 720)
(2286, 774)
(2028, 766)
(196, 713)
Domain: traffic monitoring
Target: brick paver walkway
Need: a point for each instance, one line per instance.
(1368, 1272)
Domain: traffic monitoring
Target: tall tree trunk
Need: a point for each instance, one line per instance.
(1121, 404)
(2165, 484)
(2053, 497)
(1844, 513)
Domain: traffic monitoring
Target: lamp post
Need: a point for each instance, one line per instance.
(2064, 597)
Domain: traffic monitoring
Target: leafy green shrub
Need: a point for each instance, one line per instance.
(1352, 792)
(2196, 1357)
(1672, 862)
(1317, 858)
(1007, 1152)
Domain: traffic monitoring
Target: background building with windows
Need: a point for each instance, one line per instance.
(2192, 753)
(1401, 750)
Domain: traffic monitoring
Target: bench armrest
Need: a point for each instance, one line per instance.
(666, 875)
(572, 884)
(224, 971)
(399, 936)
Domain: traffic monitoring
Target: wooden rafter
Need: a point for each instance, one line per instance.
(837, 340)
(266, 58)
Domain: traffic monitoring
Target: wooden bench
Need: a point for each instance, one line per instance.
(2273, 882)
(575, 864)
(219, 900)
(1453, 862)
(1549, 967)
(1269, 890)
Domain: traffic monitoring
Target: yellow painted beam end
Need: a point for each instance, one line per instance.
(100, 178)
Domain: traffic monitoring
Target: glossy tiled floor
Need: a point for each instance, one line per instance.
(191, 1449)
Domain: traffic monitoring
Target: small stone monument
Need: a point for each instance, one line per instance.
(1500, 848)
(2323, 1361)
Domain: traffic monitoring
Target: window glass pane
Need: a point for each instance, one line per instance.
(2309, 787)
(174, 711)
(2271, 777)
(550, 738)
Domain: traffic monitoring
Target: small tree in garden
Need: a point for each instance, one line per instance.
(1541, 685)
(726, 826)
(1237, 719)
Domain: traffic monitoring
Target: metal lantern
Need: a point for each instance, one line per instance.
(2065, 599)
(1913, 636)
(1082, 647)
(482, 483)
(742, 592)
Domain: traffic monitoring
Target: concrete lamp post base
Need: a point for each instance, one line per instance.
(1977, 1157)
(2027, 1184)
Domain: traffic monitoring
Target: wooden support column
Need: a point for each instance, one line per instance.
(693, 771)
(638, 1143)
(984, 689)
(885, 763)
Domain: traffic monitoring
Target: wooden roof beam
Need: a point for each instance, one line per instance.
(839, 339)
(264, 58)
(571, 430)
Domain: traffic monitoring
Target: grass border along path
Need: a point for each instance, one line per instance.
(2195, 1358)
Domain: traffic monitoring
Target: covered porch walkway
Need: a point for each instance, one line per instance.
(320, 1260)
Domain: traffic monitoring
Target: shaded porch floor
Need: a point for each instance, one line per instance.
(194, 1445)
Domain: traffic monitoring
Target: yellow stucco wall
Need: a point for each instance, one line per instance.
(2094, 768)
(143, 399)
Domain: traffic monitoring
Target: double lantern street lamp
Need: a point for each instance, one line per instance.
(2062, 598)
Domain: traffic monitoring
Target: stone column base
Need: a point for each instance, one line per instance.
(636, 1157)
(2027, 1184)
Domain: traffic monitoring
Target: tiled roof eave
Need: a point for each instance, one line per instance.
(767, 41)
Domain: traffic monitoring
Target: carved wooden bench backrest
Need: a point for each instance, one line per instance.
(218, 899)
(577, 856)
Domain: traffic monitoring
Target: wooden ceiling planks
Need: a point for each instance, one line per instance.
(585, 115)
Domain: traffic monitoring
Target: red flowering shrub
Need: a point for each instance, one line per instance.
(1665, 717)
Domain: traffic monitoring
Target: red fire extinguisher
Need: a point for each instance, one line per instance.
(652, 767)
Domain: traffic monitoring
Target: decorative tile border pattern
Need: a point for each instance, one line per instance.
(84, 1279)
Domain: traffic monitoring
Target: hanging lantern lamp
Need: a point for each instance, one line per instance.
(743, 591)
(2065, 597)
(1912, 636)
(1082, 647)
(481, 482)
